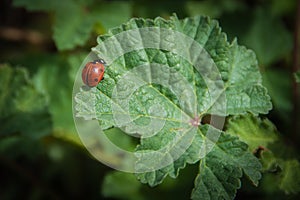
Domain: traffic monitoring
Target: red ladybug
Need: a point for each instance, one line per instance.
(93, 72)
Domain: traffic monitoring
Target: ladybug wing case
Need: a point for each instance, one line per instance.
(92, 73)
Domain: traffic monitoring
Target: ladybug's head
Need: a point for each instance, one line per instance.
(99, 61)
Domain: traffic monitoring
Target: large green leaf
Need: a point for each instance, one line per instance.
(236, 64)
(23, 109)
(145, 98)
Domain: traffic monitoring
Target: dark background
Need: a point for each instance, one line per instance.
(41, 156)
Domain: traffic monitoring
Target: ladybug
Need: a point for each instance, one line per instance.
(93, 72)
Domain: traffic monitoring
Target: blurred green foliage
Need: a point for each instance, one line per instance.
(43, 43)
(297, 76)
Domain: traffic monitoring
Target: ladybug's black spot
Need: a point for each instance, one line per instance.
(96, 80)
(101, 70)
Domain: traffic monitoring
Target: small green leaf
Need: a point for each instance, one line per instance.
(23, 109)
(121, 185)
(268, 160)
(281, 174)
(290, 177)
(252, 130)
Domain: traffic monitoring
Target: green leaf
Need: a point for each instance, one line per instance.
(71, 28)
(191, 156)
(252, 130)
(53, 80)
(102, 13)
(262, 137)
(290, 178)
(269, 47)
(74, 20)
(146, 102)
(237, 65)
(244, 90)
(221, 170)
(268, 160)
(23, 109)
(280, 174)
(121, 185)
